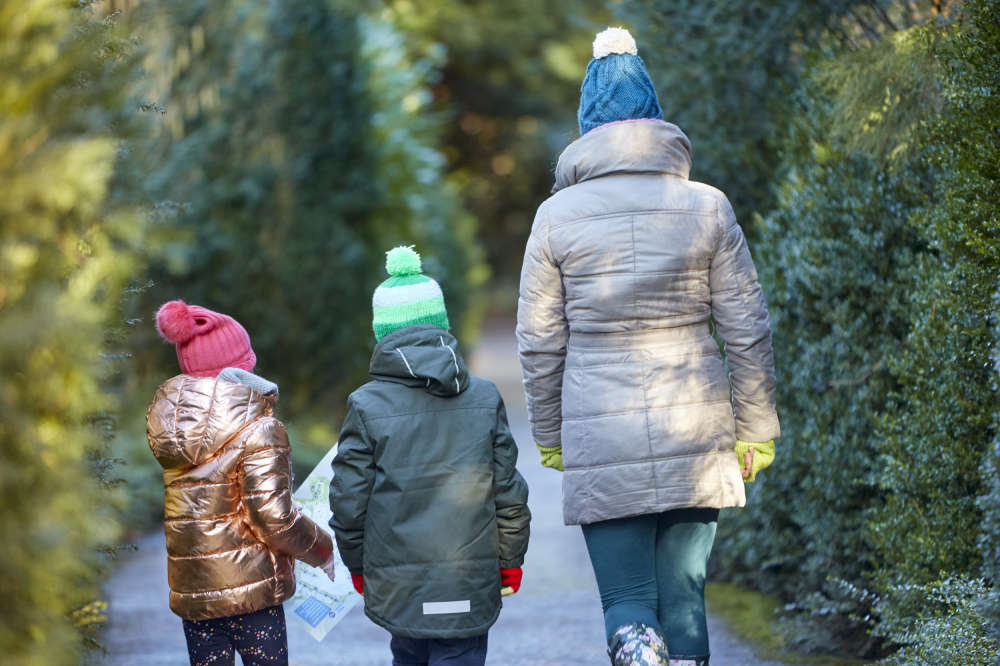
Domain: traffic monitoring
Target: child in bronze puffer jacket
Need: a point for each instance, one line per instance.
(232, 530)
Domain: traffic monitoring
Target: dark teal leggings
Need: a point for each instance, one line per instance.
(651, 569)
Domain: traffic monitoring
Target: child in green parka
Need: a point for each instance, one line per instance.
(429, 511)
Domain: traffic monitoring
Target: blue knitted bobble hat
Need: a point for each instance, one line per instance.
(616, 86)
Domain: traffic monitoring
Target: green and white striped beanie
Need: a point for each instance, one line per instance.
(407, 298)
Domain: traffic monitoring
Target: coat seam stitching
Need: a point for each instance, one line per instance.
(644, 213)
(198, 556)
(684, 271)
(659, 360)
(715, 452)
(428, 411)
(645, 409)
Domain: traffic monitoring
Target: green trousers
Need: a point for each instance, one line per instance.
(651, 569)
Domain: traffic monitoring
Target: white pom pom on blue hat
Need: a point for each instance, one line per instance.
(614, 40)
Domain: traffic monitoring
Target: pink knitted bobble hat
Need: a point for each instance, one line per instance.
(206, 341)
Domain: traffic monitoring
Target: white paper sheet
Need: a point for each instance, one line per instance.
(319, 603)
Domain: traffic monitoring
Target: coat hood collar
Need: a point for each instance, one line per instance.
(421, 356)
(201, 414)
(630, 146)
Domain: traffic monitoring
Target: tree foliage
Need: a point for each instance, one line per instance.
(880, 261)
(294, 159)
(273, 181)
(989, 502)
(938, 624)
(727, 73)
(509, 84)
(837, 259)
(63, 260)
(937, 436)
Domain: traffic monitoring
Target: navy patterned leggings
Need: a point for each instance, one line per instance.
(259, 637)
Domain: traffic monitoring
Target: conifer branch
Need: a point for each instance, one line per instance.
(868, 29)
(882, 15)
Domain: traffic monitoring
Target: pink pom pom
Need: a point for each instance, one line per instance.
(175, 322)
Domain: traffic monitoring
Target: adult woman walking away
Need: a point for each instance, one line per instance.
(626, 265)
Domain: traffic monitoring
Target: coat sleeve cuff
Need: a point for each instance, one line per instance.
(321, 550)
(551, 456)
(512, 564)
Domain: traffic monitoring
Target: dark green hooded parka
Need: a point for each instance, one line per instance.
(427, 502)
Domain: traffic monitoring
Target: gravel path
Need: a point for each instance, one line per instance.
(554, 619)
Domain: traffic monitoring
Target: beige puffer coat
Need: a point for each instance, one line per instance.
(232, 529)
(626, 264)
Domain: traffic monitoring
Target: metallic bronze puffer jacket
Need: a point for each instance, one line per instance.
(232, 529)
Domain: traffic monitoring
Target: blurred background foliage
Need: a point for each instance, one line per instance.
(259, 158)
(66, 255)
(297, 152)
(508, 86)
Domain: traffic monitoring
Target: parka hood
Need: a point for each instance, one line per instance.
(630, 146)
(190, 418)
(421, 356)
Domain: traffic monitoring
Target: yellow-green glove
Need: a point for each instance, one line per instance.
(763, 456)
(551, 456)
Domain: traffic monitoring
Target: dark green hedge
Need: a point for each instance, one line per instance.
(989, 501)
(838, 261)
(879, 523)
(293, 157)
(937, 438)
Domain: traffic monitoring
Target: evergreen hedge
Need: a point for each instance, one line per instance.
(936, 438)
(881, 263)
(294, 146)
(989, 501)
(64, 258)
(837, 259)
(295, 150)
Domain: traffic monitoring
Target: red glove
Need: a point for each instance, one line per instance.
(511, 578)
(359, 583)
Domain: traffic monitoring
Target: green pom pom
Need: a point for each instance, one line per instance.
(402, 260)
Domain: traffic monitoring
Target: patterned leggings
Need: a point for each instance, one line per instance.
(259, 637)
